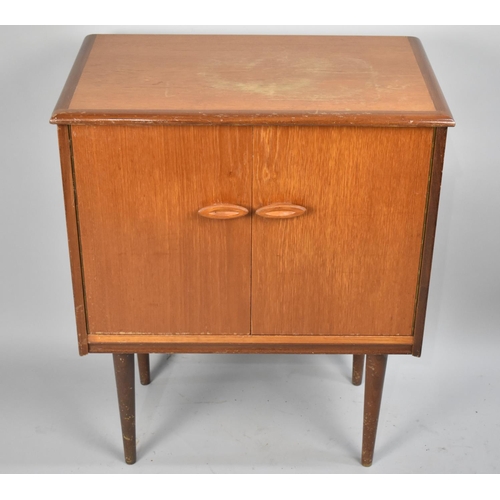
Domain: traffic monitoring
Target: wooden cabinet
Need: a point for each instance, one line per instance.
(251, 194)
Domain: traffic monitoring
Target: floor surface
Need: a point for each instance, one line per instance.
(249, 413)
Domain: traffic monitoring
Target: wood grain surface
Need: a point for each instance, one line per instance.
(265, 344)
(75, 73)
(248, 79)
(350, 265)
(429, 235)
(71, 209)
(152, 263)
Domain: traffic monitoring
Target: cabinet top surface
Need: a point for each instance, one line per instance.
(247, 79)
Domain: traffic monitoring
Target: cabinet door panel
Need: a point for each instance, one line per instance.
(151, 264)
(350, 265)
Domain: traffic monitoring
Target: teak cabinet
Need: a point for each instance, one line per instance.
(251, 194)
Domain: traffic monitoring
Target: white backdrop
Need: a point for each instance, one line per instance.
(59, 414)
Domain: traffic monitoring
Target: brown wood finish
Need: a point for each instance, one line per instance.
(435, 91)
(70, 204)
(350, 264)
(291, 344)
(125, 386)
(374, 384)
(74, 75)
(144, 369)
(429, 235)
(281, 211)
(340, 140)
(254, 80)
(253, 348)
(348, 118)
(223, 211)
(358, 364)
(152, 264)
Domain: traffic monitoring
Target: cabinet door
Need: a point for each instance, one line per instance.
(151, 263)
(350, 265)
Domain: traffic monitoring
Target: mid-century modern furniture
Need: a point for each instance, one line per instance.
(251, 194)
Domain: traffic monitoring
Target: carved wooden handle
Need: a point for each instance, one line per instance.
(223, 211)
(281, 211)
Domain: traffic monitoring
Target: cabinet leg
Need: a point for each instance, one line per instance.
(357, 368)
(125, 385)
(144, 371)
(375, 373)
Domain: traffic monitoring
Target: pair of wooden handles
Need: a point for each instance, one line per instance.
(273, 211)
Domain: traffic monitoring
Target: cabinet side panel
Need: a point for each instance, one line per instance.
(152, 263)
(350, 265)
(73, 236)
(430, 232)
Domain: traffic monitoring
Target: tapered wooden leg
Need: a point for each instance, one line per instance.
(125, 385)
(357, 368)
(144, 371)
(375, 373)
